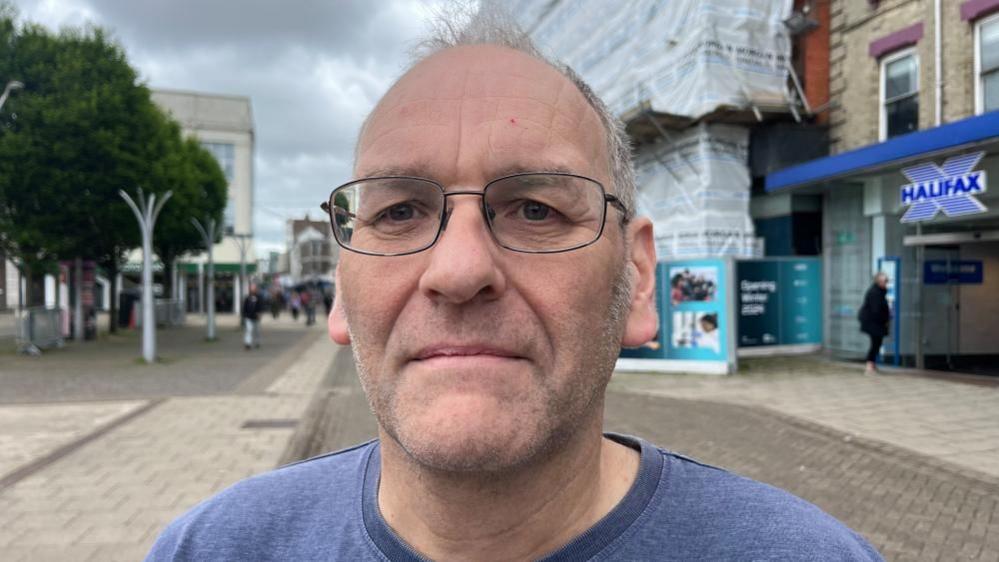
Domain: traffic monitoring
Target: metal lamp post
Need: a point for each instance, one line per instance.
(11, 86)
(209, 232)
(241, 242)
(146, 213)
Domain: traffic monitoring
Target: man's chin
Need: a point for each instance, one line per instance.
(470, 440)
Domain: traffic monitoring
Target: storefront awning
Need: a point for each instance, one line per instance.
(920, 144)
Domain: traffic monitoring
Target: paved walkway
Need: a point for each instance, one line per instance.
(949, 421)
(108, 497)
(97, 475)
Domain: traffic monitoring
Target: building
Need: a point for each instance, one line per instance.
(312, 252)
(224, 126)
(914, 139)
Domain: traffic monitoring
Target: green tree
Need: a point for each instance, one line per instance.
(83, 128)
(199, 191)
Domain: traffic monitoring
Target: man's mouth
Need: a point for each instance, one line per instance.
(445, 351)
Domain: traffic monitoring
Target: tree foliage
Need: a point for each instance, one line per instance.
(83, 128)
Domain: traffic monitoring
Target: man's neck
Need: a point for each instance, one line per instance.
(522, 515)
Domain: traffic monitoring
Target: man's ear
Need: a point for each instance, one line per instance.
(337, 321)
(643, 318)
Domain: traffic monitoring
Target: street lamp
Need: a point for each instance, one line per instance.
(242, 242)
(11, 86)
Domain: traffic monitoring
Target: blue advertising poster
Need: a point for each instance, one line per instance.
(692, 301)
(779, 302)
(759, 311)
(695, 324)
(801, 302)
(655, 349)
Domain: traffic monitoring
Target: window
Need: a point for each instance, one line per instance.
(899, 94)
(225, 154)
(987, 65)
(229, 216)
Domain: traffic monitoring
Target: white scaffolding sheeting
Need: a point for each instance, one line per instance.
(682, 57)
(696, 191)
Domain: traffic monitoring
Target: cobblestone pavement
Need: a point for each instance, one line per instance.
(910, 507)
(953, 422)
(112, 368)
(816, 428)
(107, 496)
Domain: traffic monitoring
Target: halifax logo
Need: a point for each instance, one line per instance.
(948, 188)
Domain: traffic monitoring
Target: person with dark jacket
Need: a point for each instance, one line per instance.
(252, 307)
(874, 316)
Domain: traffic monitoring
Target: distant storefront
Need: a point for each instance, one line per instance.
(919, 207)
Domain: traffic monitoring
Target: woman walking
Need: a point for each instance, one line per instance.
(874, 316)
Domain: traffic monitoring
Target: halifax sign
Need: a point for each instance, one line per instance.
(949, 188)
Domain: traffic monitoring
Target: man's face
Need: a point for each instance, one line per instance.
(475, 357)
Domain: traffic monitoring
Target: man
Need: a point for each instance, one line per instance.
(250, 313)
(874, 316)
(493, 269)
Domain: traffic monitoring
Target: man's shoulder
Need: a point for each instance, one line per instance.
(722, 515)
(288, 506)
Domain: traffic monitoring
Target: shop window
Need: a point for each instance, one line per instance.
(987, 64)
(899, 94)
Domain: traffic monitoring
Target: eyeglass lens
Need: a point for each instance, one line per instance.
(529, 212)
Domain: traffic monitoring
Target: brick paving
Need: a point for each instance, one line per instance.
(108, 499)
(113, 370)
(868, 450)
(909, 506)
(954, 422)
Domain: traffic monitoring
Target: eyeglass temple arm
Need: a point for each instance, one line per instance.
(325, 206)
(616, 203)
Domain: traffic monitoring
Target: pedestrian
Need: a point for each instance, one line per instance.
(276, 302)
(874, 316)
(296, 305)
(309, 304)
(250, 312)
(484, 358)
(327, 300)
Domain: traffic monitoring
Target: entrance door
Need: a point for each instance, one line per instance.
(940, 308)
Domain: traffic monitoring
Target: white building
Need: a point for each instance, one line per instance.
(224, 126)
(312, 253)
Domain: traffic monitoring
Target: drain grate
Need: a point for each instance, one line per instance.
(269, 424)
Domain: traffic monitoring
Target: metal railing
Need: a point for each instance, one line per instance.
(168, 312)
(39, 328)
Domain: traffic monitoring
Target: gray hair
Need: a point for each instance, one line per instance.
(489, 24)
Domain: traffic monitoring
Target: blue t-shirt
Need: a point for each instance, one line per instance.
(326, 508)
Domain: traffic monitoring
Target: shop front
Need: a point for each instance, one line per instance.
(917, 207)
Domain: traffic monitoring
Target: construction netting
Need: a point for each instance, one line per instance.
(680, 57)
(696, 191)
(687, 58)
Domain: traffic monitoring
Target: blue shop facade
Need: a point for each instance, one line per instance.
(918, 207)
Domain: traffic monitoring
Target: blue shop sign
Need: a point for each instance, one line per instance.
(950, 188)
(939, 272)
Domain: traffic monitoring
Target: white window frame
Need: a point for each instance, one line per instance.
(979, 86)
(882, 114)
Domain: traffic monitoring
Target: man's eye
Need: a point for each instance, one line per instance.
(534, 211)
(400, 212)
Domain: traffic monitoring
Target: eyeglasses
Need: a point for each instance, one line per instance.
(536, 213)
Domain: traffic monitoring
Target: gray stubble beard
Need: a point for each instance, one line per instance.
(583, 398)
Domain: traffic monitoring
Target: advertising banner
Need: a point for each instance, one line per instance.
(779, 302)
(695, 332)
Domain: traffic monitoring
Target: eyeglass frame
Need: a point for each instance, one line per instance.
(613, 200)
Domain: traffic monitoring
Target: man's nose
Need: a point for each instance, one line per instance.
(463, 264)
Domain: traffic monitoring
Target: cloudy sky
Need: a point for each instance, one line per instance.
(312, 68)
